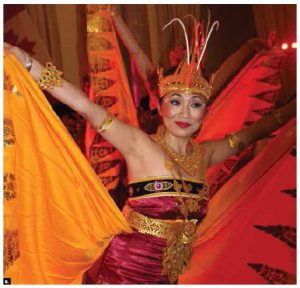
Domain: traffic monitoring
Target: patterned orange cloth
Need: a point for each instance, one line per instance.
(58, 217)
(110, 89)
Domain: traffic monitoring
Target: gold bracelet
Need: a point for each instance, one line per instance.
(278, 116)
(107, 122)
(50, 77)
(235, 141)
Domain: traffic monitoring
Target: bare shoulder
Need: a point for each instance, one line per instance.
(217, 150)
(147, 159)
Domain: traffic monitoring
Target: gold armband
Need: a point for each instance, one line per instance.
(235, 141)
(278, 116)
(107, 122)
(50, 77)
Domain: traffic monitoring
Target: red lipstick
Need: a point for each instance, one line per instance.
(182, 124)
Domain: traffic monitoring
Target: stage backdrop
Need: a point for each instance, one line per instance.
(59, 31)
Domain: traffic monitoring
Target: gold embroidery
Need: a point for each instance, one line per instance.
(9, 134)
(97, 24)
(15, 91)
(187, 188)
(11, 248)
(193, 163)
(179, 250)
(162, 194)
(9, 186)
(102, 83)
(163, 177)
(191, 204)
(99, 65)
(7, 82)
(158, 186)
(95, 43)
(180, 235)
(204, 193)
(8, 85)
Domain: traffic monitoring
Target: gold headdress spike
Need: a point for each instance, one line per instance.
(188, 77)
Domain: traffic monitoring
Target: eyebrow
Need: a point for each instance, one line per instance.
(197, 96)
(175, 94)
(194, 96)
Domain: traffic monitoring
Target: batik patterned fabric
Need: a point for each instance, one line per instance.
(109, 88)
(11, 251)
(58, 217)
(249, 233)
(250, 95)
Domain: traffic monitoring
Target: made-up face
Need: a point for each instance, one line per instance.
(182, 114)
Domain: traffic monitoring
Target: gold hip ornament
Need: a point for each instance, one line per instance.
(179, 235)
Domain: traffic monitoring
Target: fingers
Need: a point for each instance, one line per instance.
(8, 48)
(20, 54)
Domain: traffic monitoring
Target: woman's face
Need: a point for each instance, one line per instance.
(182, 114)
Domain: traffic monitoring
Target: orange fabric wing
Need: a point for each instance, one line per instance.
(58, 217)
(249, 233)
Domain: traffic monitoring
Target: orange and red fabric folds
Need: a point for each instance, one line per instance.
(58, 217)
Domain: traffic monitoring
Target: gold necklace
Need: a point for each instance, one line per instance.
(191, 163)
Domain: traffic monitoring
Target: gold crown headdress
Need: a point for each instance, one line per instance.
(188, 77)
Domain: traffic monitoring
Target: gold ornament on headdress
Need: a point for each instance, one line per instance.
(188, 78)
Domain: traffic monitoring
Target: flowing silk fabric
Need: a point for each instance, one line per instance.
(136, 258)
(62, 226)
(249, 95)
(248, 235)
(60, 218)
(243, 98)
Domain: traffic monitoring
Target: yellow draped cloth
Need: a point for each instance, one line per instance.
(58, 217)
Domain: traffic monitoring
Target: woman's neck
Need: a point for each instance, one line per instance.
(179, 145)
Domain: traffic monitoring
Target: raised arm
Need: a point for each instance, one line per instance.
(124, 137)
(145, 67)
(221, 149)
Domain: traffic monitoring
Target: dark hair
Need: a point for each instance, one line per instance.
(169, 70)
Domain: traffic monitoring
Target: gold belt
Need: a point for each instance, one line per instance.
(180, 235)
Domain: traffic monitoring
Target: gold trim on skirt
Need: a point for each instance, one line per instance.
(180, 235)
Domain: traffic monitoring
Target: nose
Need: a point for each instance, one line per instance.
(185, 111)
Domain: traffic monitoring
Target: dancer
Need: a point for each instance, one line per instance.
(167, 185)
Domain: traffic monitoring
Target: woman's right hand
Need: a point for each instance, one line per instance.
(34, 68)
(20, 54)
